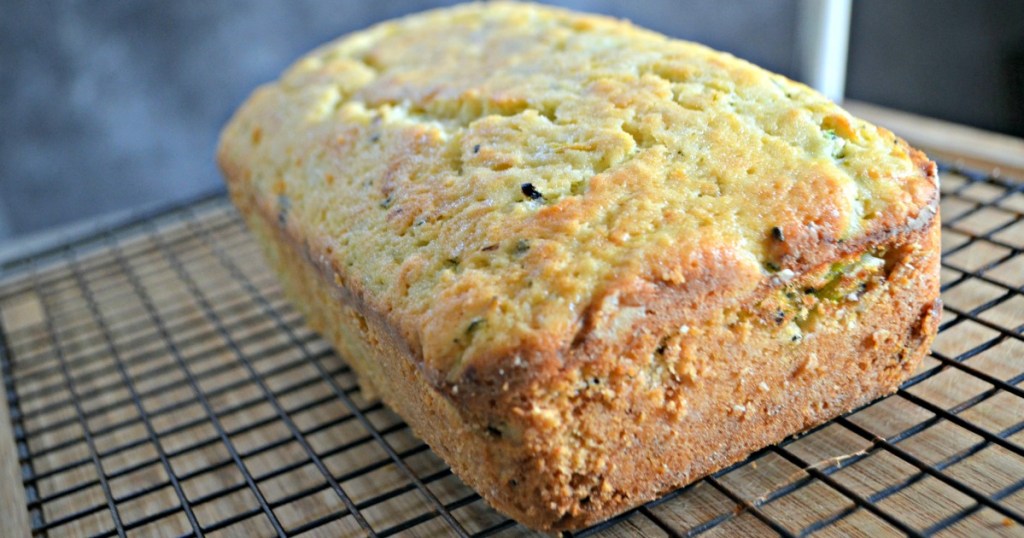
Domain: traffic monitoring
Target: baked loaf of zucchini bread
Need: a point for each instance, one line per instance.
(586, 263)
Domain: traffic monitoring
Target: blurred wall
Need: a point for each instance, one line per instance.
(959, 60)
(108, 105)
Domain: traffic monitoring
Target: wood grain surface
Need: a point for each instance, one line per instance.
(955, 144)
(13, 517)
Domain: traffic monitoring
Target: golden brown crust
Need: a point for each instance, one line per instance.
(404, 152)
(644, 415)
(644, 322)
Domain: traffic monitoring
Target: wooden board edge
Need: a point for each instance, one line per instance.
(992, 153)
(13, 502)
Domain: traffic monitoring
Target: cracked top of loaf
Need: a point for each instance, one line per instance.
(496, 179)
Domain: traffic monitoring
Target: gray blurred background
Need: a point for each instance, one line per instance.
(111, 106)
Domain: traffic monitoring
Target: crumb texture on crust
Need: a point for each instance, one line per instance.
(484, 176)
(663, 409)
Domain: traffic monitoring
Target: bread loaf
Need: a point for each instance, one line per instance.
(587, 263)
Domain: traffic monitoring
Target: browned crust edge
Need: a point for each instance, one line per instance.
(545, 361)
(523, 473)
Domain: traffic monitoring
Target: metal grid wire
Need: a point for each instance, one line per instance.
(159, 384)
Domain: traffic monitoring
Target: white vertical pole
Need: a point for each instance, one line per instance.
(824, 30)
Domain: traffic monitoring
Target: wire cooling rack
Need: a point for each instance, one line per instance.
(159, 384)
